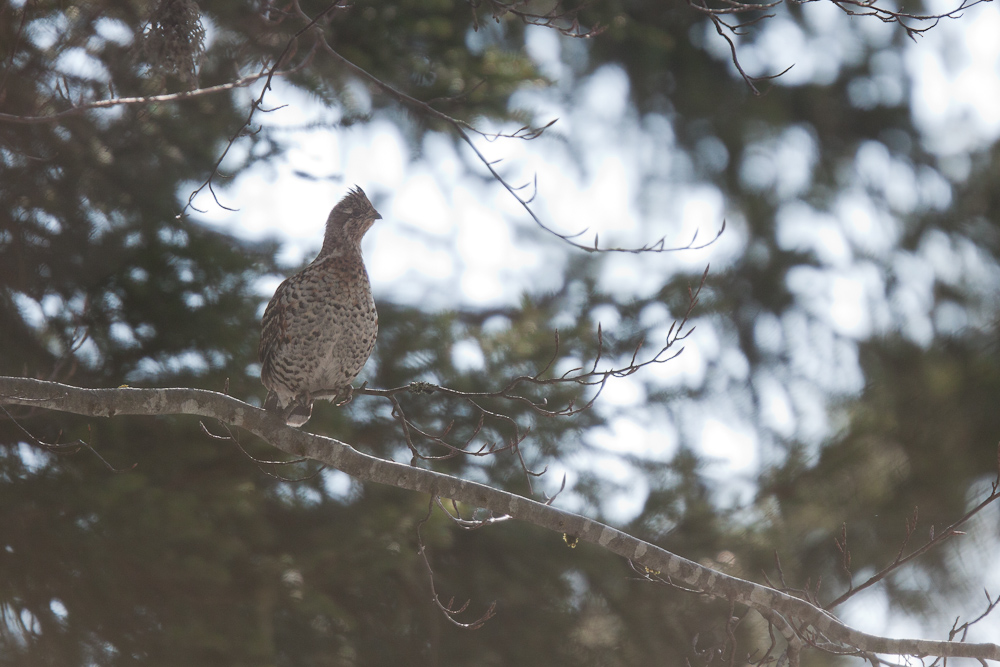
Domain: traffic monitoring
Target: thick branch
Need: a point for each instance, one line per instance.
(798, 613)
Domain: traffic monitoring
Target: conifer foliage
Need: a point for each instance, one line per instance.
(169, 540)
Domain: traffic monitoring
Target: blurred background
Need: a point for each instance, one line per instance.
(843, 369)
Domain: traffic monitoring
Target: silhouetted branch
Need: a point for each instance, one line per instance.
(722, 27)
(462, 129)
(81, 109)
(961, 631)
(562, 20)
(448, 609)
(591, 377)
(892, 15)
(268, 426)
(468, 524)
(410, 429)
(815, 637)
(258, 105)
(936, 538)
(757, 13)
(260, 463)
(64, 448)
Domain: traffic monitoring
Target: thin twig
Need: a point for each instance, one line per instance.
(448, 609)
(935, 539)
(261, 463)
(255, 106)
(462, 129)
(68, 448)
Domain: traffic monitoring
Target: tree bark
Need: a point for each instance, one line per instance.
(810, 623)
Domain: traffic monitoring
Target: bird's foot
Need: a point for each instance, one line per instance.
(348, 394)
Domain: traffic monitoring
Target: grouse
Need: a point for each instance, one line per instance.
(320, 326)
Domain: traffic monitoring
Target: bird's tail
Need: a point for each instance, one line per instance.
(299, 414)
(296, 414)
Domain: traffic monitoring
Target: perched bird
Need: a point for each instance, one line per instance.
(320, 326)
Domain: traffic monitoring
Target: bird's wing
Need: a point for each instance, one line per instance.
(274, 329)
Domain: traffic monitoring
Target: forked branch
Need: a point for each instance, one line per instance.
(592, 378)
(808, 620)
(448, 609)
(749, 14)
(463, 130)
(563, 20)
(936, 538)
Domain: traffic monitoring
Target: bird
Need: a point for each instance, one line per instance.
(320, 326)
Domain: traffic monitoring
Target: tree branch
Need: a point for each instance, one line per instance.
(900, 560)
(807, 619)
(463, 130)
(131, 101)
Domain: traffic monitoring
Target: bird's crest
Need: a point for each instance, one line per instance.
(349, 220)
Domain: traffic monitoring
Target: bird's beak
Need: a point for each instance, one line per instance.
(378, 216)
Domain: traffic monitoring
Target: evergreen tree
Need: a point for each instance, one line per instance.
(143, 540)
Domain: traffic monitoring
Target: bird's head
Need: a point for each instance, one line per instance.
(349, 220)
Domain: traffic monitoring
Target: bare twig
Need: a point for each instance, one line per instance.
(961, 631)
(68, 448)
(758, 13)
(935, 539)
(258, 105)
(260, 463)
(469, 524)
(517, 391)
(589, 377)
(462, 129)
(891, 15)
(448, 609)
(562, 20)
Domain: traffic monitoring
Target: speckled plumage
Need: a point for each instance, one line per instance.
(320, 326)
